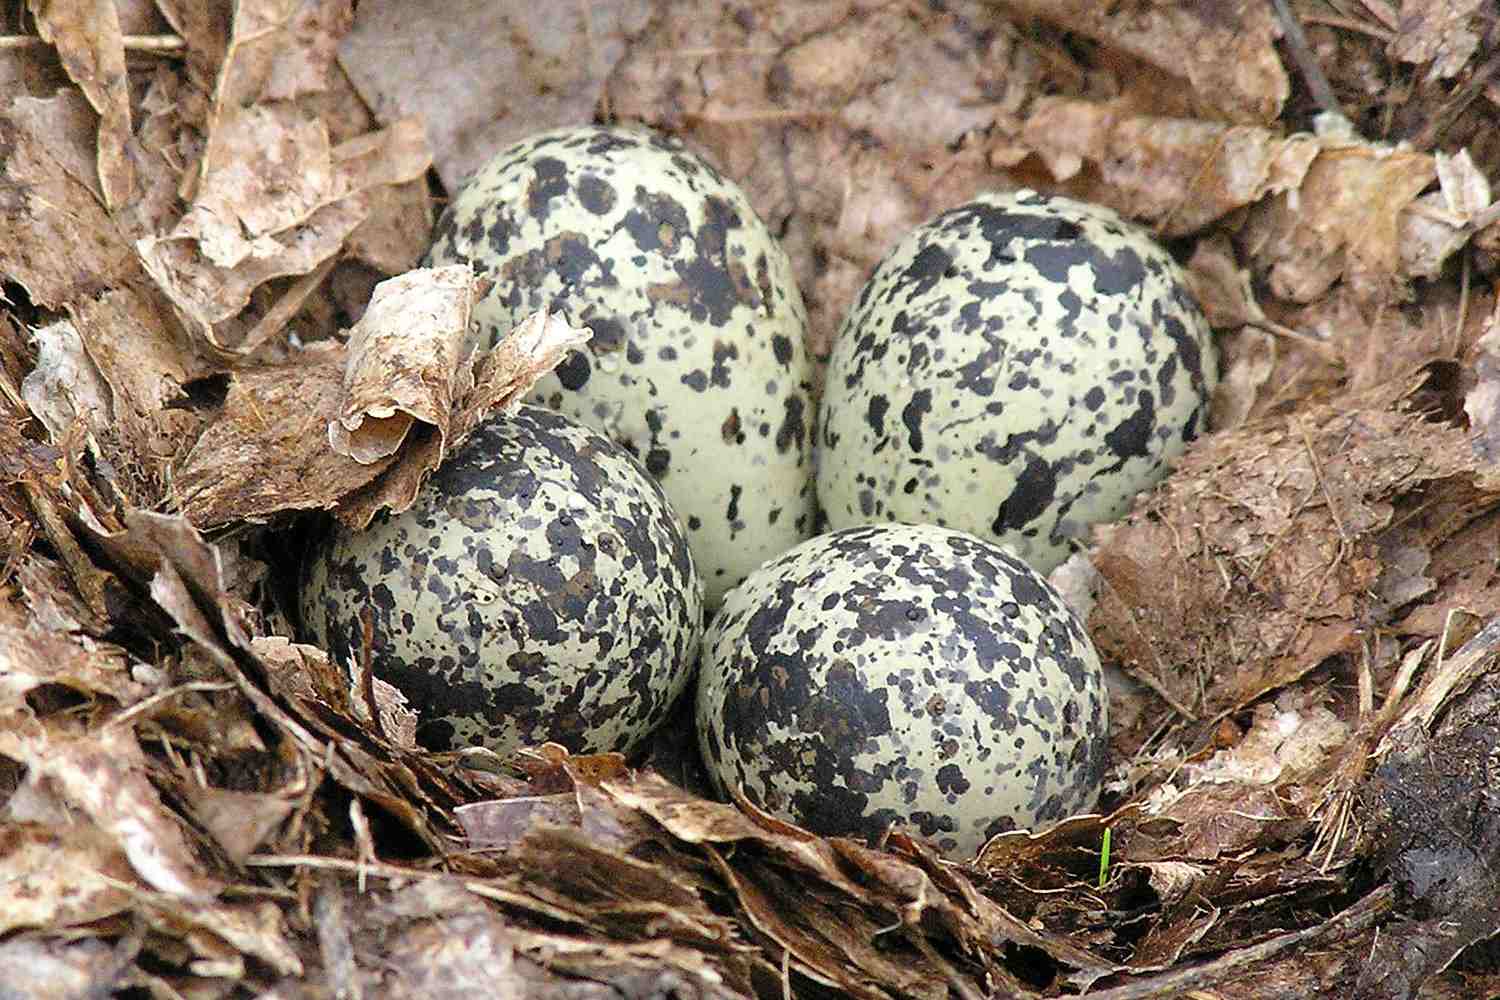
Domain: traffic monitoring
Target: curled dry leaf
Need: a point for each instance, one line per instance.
(408, 361)
(500, 378)
(1438, 224)
(266, 449)
(276, 199)
(1341, 221)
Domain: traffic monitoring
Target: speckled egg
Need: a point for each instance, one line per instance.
(541, 588)
(903, 674)
(1019, 367)
(697, 363)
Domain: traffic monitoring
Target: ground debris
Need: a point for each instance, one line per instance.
(202, 206)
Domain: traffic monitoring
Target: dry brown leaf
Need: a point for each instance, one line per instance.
(298, 671)
(1163, 945)
(485, 74)
(1458, 574)
(238, 821)
(1341, 221)
(1442, 33)
(220, 931)
(1438, 224)
(58, 875)
(501, 824)
(49, 595)
(1177, 174)
(397, 232)
(145, 367)
(99, 776)
(278, 50)
(502, 376)
(56, 239)
(275, 200)
(32, 660)
(1257, 792)
(72, 126)
(87, 36)
(65, 385)
(409, 359)
(1225, 50)
(267, 449)
(917, 887)
(1258, 558)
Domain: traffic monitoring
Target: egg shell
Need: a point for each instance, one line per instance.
(1019, 367)
(540, 588)
(903, 673)
(697, 363)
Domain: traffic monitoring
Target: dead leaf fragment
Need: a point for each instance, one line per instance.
(58, 875)
(1342, 220)
(1439, 32)
(102, 775)
(87, 36)
(267, 450)
(1176, 174)
(1227, 51)
(1256, 560)
(408, 360)
(502, 376)
(485, 75)
(56, 238)
(65, 385)
(275, 200)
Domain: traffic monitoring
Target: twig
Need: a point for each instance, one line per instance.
(1383, 12)
(1349, 24)
(132, 43)
(1357, 918)
(1307, 63)
(143, 707)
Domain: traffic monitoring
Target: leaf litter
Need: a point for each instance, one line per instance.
(211, 334)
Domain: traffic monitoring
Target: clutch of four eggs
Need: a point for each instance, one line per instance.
(1015, 370)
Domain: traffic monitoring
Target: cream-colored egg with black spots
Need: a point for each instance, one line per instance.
(697, 364)
(540, 589)
(1019, 367)
(903, 674)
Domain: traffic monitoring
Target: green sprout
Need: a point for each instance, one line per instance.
(1104, 860)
